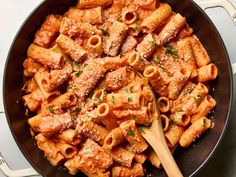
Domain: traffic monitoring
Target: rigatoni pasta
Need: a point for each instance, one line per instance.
(95, 75)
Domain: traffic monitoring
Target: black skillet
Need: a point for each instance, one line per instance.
(189, 160)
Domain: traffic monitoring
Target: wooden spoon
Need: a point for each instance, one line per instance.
(155, 137)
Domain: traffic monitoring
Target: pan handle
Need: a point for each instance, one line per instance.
(227, 5)
(15, 173)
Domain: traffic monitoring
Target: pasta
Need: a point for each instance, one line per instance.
(95, 75)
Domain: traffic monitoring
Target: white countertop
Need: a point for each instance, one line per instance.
(12, 15)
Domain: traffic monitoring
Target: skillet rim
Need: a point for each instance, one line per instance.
(220, 138)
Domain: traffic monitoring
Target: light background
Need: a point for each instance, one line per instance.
(12, 15)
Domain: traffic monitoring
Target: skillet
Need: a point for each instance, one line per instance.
(189, 160)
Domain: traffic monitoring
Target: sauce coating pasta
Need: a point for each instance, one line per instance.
(97, 73)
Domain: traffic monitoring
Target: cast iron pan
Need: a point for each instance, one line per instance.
(189, 160)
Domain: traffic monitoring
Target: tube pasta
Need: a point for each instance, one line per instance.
(207, 104)
(116, 35)
(156, 81)
(84, 15)
(71, 48)
(137, 62)
(185, 51)
(150, 23)
(91, 130)
(165, 122)
(155, 161)
(147, 46)
(99, 96)
(65, 100)
(85, 4)
(122, 156)
(57, 122)
(31, 67)
(33, 100)
(194, 131)
(173, 135)
(128, 16)
(69, 136)
(207, 72)
(45, 56)
(73, 27)
(48, 31)
(114, 138)
(94, 46)
(50, 150)
(133, 136)
(199, 51)
(181, 118)
(107, 116)
(67, 150)
(140, 158)
(163, 104)
(129, 44)
(171, 29)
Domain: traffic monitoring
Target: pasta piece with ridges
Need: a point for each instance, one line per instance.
(200, 53)
(171, 29)
(93, 15)
(150, 23)
(136, 171)
(48, 31)
(107, 116)
(116, 35)
(71, 48)
(65, 100)
(133, 136)
(207, 72)
(67, 150)
(129, 44)
(45, 56)
(165, 121)
(94, 46)
(114, 138)
(173, 135)
(181, 118)
(206, 106)
(163, 104)
(33, 100)
(69, 136)
(86, 4)
(137, 62)
(50, 150)
(129, 16)
(31, 66)
(194, 131)
(140, 158)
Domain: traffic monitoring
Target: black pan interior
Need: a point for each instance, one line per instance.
(189, 160)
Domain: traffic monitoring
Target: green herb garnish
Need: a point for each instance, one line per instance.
(77, 64)
(103, 88)
(169, 50)
(105, 32)
(51, 110)
(200, 96)
(90, 94)
(141, 130)
(204, 123)
(97, 99)
(141, 59)
(79, 73)
(154, 43)
(113, 99)
(85, 64)
(130, 99)
(131, 133)
(158, 59)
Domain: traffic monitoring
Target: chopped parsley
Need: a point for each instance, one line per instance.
(130, 99)
(105, 32)
(154, 43)
(158, 59)
(85, 64)
(79, 73)
(141, 59)
(169, 50)
(131, 133)
(103, 88)
(90, 94)
(97, 99)
(141, 130)
(76, 132)
(135, 28)
(113, 99)
(128, 90)
(77, 64)
(204, 123)
(51, 110)
(200, 96)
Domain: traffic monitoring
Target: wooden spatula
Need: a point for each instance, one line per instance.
(155, 137)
